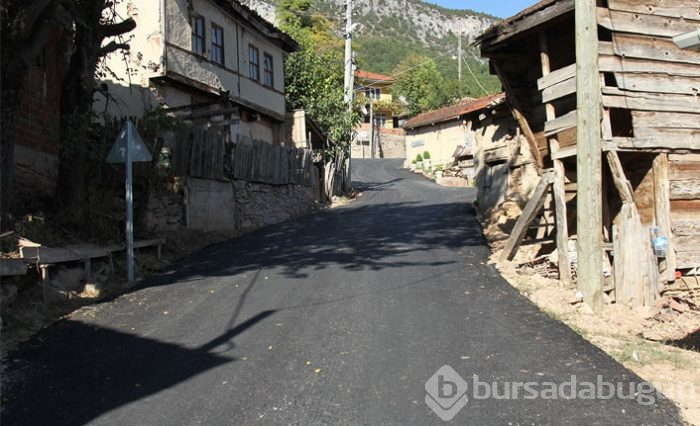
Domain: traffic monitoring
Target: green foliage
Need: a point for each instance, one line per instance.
(314, 75)
(419, 158)
(426, 155)
(420, 82)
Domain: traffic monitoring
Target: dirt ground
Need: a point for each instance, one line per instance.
(651, 342)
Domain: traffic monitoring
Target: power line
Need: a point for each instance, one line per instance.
(410, 69)
(474, 75)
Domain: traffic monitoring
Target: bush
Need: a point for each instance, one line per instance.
(414, 161)
(419, 157)
(426, 155)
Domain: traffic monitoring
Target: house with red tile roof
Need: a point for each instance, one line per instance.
(380, 108)
(441, 132)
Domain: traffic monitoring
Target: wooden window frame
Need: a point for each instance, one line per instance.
(254, 63)
(268, 72)
(199, 37)
(217, 47)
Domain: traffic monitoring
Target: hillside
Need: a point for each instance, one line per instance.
(390, 30)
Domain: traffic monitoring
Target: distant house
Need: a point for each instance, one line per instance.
(388, 141)
(206, 61)
(448, 131)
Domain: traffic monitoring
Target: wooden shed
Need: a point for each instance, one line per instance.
(650, 130)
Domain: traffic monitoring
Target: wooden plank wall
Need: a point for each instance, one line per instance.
(684, 179)
(658, 82)
(258, 161)
(201, 153)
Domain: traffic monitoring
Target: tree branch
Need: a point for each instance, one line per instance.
(111, 30)
(111, 47)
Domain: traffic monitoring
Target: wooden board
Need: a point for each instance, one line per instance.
(636, 278)
(651, 137)
(556, 77)
(643, 47)
(662, 208)
(687, 9)
(685, 210)
(616, 98)
(666, 120)
(658, 83)
(643, 23)
(686, 189)
(684, 170)
(559, 90)
(71, 253)
(612, 63)
(560, 124)
(532, 208)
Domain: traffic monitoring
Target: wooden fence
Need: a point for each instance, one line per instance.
(203, 153)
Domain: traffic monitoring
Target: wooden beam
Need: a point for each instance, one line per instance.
(530, 211)
(558, 182)
(658, 83)
(624, 188)
(662, 209)
(519, 117)
(589, 214)
(507, 31)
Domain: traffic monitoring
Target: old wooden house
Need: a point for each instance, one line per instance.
(650, 132)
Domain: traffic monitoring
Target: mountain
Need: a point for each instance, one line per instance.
(390, 30)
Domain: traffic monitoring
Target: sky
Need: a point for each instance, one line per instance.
(499, 8)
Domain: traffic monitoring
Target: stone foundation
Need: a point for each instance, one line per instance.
(228, 205)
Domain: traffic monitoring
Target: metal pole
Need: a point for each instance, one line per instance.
(589, 216)
(129, 209)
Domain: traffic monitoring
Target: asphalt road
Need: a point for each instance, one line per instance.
(338, 318)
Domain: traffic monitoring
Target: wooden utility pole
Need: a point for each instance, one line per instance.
(459, 53)
(589, 217)
(371, 126)
(348, 83)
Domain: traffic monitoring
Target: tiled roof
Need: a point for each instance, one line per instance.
(373, 76)
(453, 112)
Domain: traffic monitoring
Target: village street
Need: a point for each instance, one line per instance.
(337, 318)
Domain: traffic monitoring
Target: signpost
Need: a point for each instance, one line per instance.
(129, 148)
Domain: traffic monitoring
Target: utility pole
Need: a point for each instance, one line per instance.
(459, 53)
(371, 124)
(349, 89)
(589, 218)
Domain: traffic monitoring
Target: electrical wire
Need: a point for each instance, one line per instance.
(474, 75)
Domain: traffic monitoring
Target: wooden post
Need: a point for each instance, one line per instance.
(558, 190)
(589, 216)
(662, 207)
(519, 117)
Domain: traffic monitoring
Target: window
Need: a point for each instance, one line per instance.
(254, 59)
(373, 93)
(380, 119)
(268, 73)
(198, 35)
(217, 44)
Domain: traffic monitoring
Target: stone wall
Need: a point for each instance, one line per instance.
(258, 205)
(233, 205)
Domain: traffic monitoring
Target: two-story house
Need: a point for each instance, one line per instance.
(206, 61)
(380, 108)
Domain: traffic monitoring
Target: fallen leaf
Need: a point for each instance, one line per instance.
(308, 363)
(318, 370)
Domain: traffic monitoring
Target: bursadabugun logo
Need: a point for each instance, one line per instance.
(447, 393)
